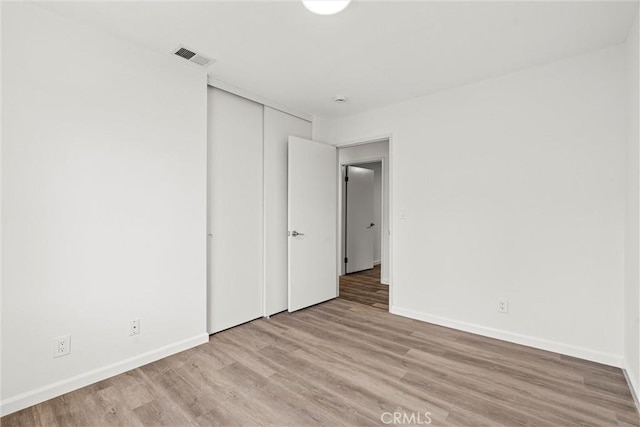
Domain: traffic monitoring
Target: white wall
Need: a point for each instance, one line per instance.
(513, 188)
(278, 126)
(365, 153)
(376, 167)
(632, 238)
(104, 204)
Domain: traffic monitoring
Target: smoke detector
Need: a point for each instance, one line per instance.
(340, 99)
(191, 56)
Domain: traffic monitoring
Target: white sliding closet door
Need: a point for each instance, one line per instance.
(235, 206)
(278, 126)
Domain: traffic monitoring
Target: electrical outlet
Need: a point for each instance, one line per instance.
(134, 327)
(503, 305)
(61, 346)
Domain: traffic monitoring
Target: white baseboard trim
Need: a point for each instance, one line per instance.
(632, 387)
(377, 262)
(30, 398)
(542, 344)
(384, 280)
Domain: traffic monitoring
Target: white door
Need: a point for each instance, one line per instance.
(312, 223)
(359, 227)
(278, 126)
(235, 210)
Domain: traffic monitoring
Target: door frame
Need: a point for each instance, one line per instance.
(386, 164)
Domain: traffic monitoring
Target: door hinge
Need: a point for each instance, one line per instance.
(346, 179)
(346, 260)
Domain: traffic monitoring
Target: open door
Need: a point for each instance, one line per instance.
(312, 223)
(359, 226)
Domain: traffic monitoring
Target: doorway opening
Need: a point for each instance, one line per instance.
(364, 224)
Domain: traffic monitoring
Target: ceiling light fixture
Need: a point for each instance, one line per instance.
(326, 7)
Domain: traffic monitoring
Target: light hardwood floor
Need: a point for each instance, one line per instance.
(344, 363)
(365, 288)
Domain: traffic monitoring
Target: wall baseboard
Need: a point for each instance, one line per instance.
(33, 397)
(529, 341)
(632, 388)
(377, 262)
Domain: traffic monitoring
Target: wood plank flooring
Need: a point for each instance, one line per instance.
(345, 363)
(365, 288)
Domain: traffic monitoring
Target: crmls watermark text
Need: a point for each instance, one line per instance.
(412, 418)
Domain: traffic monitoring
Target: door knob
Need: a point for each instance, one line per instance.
(294, 233)
(371, 225)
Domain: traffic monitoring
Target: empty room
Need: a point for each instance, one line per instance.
(320, 213)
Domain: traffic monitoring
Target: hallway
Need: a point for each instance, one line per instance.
(365, 288)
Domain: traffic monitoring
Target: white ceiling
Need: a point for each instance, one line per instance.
(376, 53)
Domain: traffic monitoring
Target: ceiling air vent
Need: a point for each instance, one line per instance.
(192, 56)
